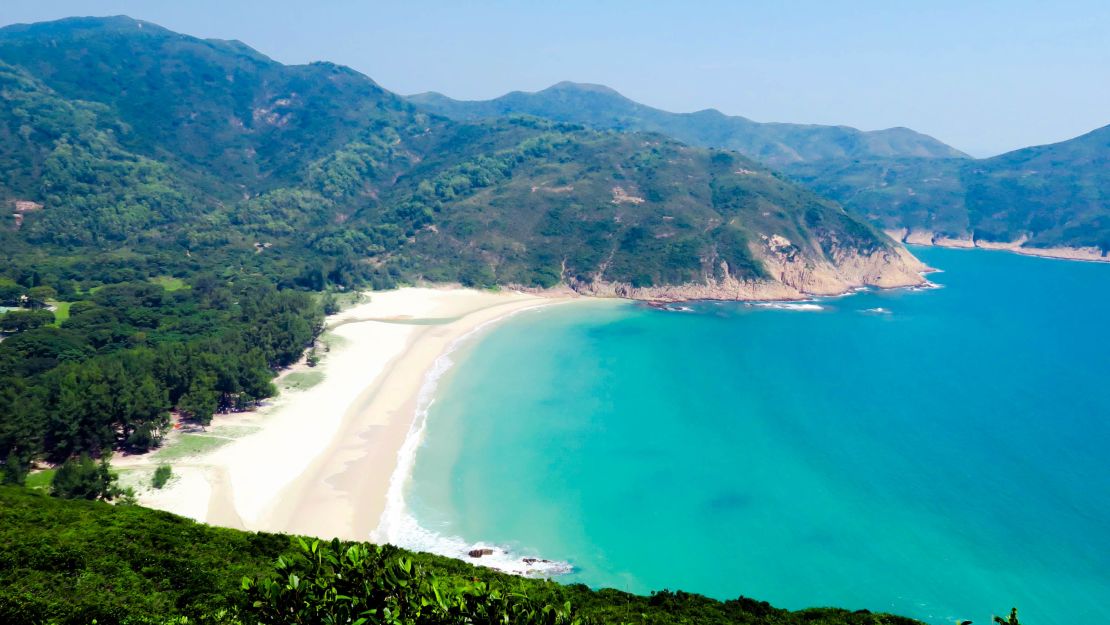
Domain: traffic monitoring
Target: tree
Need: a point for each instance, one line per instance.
(330, 304)
(23, 320)
(148, 416)
(39, 295)
(1013, 620)
(82, 478)
(15, 473)
(201, 400)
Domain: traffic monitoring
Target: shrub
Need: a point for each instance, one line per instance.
(161, 475)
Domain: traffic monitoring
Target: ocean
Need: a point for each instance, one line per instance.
(939, 453)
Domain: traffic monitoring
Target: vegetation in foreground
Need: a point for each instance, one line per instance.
(68, 562)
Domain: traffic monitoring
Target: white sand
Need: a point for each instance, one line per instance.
(321, 459)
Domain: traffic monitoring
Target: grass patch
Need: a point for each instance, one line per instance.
(190, 445)
(301, 380)
(332, 340)
(170, 283)
(61, 311)
(41, 479)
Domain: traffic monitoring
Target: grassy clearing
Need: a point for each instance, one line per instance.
(301, 380)
(61, 311)
(332, 340)
(170, 283)
(41, 479)
(234, 431)
(190, 445)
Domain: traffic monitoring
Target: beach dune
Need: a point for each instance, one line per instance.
(320, 460)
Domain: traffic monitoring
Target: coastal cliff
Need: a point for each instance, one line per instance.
(790, 276)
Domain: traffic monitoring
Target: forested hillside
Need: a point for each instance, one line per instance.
(1047, 195)
(222, 156)
(1044, 196)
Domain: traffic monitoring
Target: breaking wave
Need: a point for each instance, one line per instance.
(399, 527)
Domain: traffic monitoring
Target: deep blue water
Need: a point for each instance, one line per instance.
(946, 460)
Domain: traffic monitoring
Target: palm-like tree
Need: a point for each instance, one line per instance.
(1013, 620)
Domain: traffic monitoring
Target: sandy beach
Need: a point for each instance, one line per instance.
(318, 460)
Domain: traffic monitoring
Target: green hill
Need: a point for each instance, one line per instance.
(206, 150)
(775, 144)
(1044, 196)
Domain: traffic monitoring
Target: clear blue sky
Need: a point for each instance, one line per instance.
(984, 76)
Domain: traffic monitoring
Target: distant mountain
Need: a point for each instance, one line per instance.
(1038, 197)
(163, 153)
(772, 143)
(908, 183)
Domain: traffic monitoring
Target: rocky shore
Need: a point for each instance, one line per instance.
(1019, 246)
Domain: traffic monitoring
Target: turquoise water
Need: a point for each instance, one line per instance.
(946, 460)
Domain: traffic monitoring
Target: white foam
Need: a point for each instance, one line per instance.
(790, 306)
(878, 311)
(399, 527)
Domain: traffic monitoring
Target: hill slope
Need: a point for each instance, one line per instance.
(144, 566)
(907, 183)
(316, 172)
(772, 143)
(1034, 199)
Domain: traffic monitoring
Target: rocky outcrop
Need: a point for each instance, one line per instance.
(791, 276)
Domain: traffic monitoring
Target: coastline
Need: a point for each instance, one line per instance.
(322, 457)
(319, 461)
(932, 239)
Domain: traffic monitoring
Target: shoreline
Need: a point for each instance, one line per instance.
(932, 239)
(332, 458)
(320, 461)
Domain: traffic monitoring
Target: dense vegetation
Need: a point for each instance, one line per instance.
(1052, 195)
(69, 562)
(775, 144)
(126, 138)
(130, 352)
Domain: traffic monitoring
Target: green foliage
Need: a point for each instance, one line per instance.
(23, 320)
(1051, 195)
(69, 562)
(1011, 620)
(359, 583)
(112, 373)
(73, 562)
(83, 478)
(162, 474)
(15, 473)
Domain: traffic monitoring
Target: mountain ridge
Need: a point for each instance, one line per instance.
(1044, 200)
(775, 143)
(319, 169)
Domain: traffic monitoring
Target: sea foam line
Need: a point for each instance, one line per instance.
(399, 527)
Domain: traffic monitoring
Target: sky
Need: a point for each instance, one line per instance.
(985, 77)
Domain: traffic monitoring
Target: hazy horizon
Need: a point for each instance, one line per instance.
(984, 79)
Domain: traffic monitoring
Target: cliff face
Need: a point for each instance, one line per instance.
(792, 276)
